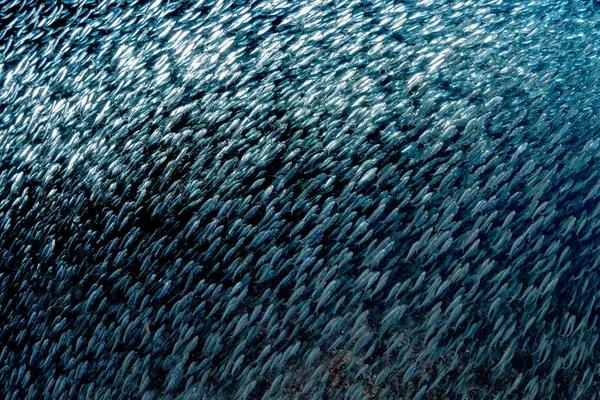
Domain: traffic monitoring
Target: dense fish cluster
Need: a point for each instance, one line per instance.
(299, 199)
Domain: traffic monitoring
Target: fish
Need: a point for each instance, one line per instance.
(226, 200)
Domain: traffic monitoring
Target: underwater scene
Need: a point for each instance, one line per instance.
(299, 199)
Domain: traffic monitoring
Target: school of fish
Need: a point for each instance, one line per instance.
(298, 199)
